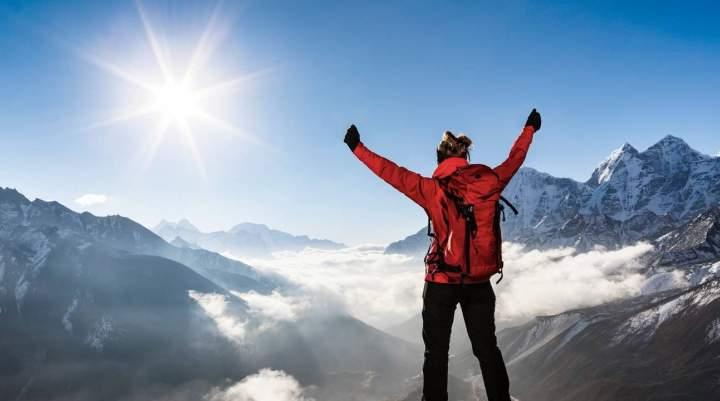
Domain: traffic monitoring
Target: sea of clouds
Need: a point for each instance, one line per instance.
(385, 289)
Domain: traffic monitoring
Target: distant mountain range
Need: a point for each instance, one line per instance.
(243, 240)
(630, 196)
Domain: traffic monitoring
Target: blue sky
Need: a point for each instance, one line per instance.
(601, 73)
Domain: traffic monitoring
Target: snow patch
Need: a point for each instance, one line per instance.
(713, 332)
(643, 325)
(40, 248)
(97, 337)
(21, 289)
(68, 314)
(544, 331)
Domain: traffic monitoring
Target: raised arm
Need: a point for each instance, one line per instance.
(507, 169)
(416, 187)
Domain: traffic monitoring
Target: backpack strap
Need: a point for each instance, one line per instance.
(500, 211)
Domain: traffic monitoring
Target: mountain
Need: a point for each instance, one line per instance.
(83, 320)
(695, 242)
(122, 233)
(101, 308)
(662, 346)
(245, 239)
(416, 244)
(630, 196)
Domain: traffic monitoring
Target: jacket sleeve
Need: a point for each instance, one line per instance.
(511, 165)
(416, 187)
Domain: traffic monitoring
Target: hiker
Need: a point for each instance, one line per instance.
(462, 202)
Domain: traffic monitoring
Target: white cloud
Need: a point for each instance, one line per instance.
(376, 288)
(556, 280)
(215, 306)
(385, 290)
(266, 385)
(88, 200)
(275, 306)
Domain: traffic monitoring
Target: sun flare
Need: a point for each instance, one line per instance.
(178, 103)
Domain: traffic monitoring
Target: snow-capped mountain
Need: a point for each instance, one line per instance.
(630, 196)
(82, 319)
(662, 346)
(121, 233)
(245, 239)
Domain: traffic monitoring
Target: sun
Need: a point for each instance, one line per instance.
(177, 102)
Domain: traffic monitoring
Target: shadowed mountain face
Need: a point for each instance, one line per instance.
(83, 321)
(246, 239)
(101, 308)
(661, 347)
(632, 195)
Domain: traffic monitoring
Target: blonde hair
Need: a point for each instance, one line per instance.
(453, 146)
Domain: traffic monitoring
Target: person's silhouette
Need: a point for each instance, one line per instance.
(462, 204)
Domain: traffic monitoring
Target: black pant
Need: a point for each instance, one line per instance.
(478, 307)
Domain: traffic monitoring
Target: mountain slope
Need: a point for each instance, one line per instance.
(698, 241)
(82, 321)
(656, 347)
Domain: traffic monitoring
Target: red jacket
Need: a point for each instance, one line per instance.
(448, 225)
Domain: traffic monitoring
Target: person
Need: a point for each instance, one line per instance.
(464, 252)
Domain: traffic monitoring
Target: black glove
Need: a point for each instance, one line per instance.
(534, 120)
(352, 137)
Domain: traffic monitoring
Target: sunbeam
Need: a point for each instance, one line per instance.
(177, 99)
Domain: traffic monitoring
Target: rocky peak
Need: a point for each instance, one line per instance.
(11, 195)
(619, 159)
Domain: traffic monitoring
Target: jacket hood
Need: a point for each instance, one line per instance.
(448, 166)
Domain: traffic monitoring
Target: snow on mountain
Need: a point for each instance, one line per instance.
(630, 196)
(713, 331)
(244, 240)
(697, 241)
(643, 325)
(603, 353)
(117, 232)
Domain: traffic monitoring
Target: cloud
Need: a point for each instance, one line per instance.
(266, 385)
(379, 289)
(216, 307)
(276, 306)
(385, 290)
(88, 200)
(556, 280)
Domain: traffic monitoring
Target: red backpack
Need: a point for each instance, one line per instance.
(475, 197)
